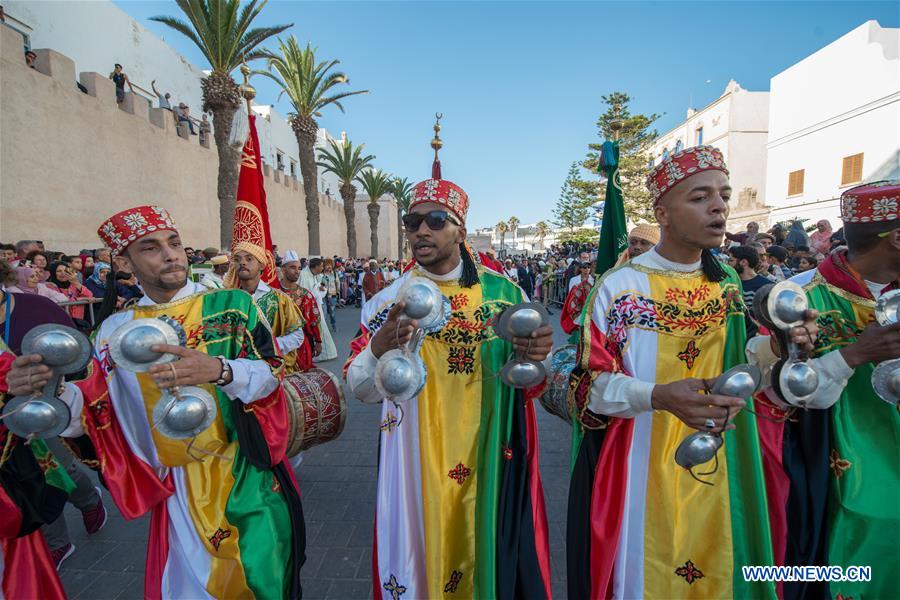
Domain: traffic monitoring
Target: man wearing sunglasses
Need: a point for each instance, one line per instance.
(459, 502)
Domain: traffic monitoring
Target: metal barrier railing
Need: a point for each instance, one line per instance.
(83, 302)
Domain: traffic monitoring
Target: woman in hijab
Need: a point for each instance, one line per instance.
(28, 281)
(87, 266)
(797, 237)
(96, 283)
(820, 239)
(63, 280)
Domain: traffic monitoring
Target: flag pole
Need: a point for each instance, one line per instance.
(247, 90)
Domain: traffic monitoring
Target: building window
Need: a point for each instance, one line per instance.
(852, 169)
(279, 160)
(678, 146)
(795, 183)
(699, 136)
(294, 169)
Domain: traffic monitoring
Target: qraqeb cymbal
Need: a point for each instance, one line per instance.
(130, 344)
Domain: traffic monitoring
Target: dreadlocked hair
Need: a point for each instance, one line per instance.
(711, 266)
(470, 270)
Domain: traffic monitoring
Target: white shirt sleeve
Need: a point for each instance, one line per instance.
(74, 399)
(361, 376)
(620, 395)
(251, 380)
(290, 342)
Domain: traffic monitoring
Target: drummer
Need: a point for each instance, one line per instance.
(656, 332)
(225, 514)
(306, 303)
(841, 479)
(460, 507)
(248, 261)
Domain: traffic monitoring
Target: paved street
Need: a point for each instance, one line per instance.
(337, 482)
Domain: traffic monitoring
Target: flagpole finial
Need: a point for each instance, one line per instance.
(247, 91)
(437, 143)
(617, 122)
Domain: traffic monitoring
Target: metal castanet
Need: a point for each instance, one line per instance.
(130, 344)
(64, 350)
(317, 409)
(700, 447)
(521, 320)
(400, 375)
(424, 302)
(520, 373)
(886, 381)
(185, 412)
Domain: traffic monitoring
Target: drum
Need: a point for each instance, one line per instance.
(554, 399)
(316, 409)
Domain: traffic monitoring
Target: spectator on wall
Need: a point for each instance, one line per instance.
(119, 78)
(205, 129)
(30, 57)
(164, 99)
(184, 116)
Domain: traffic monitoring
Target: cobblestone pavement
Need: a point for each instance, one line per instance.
(337, 482)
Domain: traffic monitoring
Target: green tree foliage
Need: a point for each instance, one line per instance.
(635, 139)
(572, 208)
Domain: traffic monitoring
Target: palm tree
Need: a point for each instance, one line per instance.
(542, 229)
(376, 183)
(502, 227)
(346, 162)
(514, 228)
(309, 87)
(221, 30)
(402, 191)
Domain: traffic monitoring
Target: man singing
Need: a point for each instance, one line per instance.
(309, 310)
(226, 519)
(460, 507)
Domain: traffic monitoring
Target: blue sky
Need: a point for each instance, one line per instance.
(519, 83)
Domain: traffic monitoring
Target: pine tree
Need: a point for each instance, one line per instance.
(635, 139)
(572, 209)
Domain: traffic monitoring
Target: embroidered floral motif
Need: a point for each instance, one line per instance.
(689, 572)
(696, 314)
(390, 423)
(689, 297)
(459, 473)
(458, 301)
(394, 588)
(461, 359)
(843, 597)
(455, 578)
(689, 354)
(218, 537)
(837, 464)
(835, 331)
(276, 485)
(507, 452)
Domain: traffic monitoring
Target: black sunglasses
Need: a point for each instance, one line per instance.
(436, 220)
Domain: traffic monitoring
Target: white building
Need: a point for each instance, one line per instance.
(96, 35)
(834, 122)
(736, 123)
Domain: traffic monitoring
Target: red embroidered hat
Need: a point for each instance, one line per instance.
(123, 228)
(681, 165)
(871, 202)
(438, 190)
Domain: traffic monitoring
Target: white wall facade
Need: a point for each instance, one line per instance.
(98, 34)
(736, 123)
(840, 101)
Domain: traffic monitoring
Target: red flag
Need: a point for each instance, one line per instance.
(251, 215)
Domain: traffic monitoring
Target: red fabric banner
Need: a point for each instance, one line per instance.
(251, 214)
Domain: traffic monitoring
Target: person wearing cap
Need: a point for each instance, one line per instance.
(248, 262)
(459, 507)
(656, 333)
(214, 279)
(640, 239)
(308, 307)
(225, 513)
(838, 474)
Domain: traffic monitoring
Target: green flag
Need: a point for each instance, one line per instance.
(613, 232)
